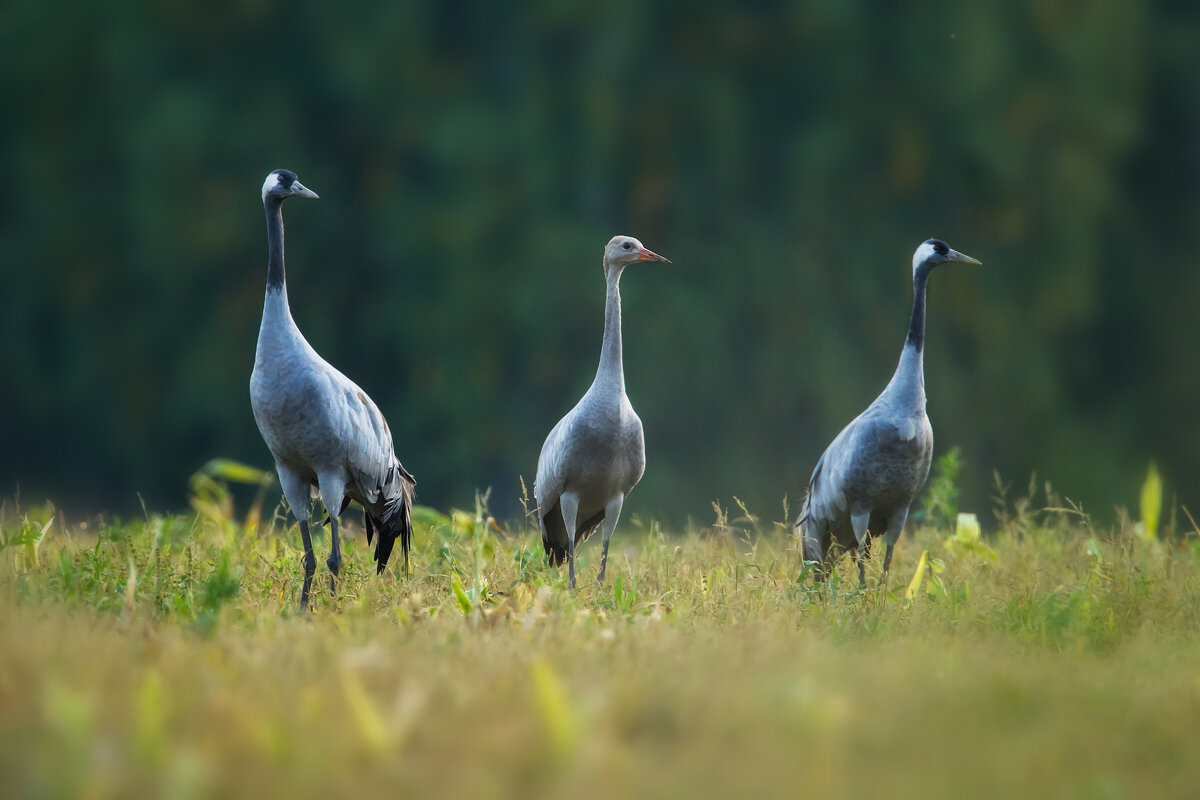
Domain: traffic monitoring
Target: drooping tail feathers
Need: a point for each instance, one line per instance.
(395, 522)
(805, 532)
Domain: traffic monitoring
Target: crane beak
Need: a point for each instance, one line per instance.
(650, 255)
(300, 189)
(954, 255)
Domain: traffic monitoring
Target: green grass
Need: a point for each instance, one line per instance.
(165, 656)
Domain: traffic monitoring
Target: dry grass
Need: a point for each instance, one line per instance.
(1067, 666)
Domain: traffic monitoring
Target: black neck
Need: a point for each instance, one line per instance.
(916, 323)
(275, 273)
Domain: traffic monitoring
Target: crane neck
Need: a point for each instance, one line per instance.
(906, 390)
(612, 370)
(916, 322)
(907, 387)
(275, 271)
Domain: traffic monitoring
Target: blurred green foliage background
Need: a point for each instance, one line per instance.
(473, 158)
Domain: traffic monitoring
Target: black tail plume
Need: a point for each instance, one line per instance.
(394, 523)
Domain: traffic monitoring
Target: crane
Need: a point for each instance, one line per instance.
(866, 480)
(327, 437)
(596, 454)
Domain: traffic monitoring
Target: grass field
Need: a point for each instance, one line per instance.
(165, 656)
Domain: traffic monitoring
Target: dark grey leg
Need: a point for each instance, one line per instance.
(895, 528)
(334, 561)
(862, 562)
(571, 561)
(859, 520)
(569, 503)
(310, 564)
(612, 512)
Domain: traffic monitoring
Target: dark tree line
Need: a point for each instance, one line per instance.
(472, 159)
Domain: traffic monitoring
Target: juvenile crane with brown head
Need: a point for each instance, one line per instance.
(596, 454)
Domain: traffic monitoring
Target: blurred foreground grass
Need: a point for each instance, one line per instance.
(165, 657)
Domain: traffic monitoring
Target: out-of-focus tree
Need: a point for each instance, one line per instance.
(473, 158)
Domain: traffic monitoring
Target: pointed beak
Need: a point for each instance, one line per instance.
(300, 189)
(650, 255)
(954, 255)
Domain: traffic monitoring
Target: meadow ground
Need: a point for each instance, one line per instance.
(165, 656)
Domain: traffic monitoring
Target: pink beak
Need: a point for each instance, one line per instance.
(650, 255)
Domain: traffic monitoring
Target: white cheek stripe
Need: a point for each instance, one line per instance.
(923, 252)
(270, 183)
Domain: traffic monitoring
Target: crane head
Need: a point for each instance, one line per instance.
(934, 252)
(283, 183)
(624, 250)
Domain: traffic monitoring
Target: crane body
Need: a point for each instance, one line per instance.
(868, 477)
(596, 454)
(326, 435)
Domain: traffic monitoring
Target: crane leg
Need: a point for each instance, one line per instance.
(569, 503)
(612, 512)
(860, 555)
(333, 491)
(310, 564)
(335, 555)
(296, 491)
(895, 528)
(862, 540)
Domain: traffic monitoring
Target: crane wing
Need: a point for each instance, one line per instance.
(827, 497)
(370, 457)
(548, 483)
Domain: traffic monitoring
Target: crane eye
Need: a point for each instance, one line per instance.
(627, 246)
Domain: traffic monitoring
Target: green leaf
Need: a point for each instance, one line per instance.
(966, 528)
(34, 542)
(463, 601)
(914, 585)
(236, 472)
(967, 538)
(1152, 492)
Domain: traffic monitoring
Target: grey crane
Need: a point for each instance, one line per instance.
(595, 454)
(868, 477)
(326, 435)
